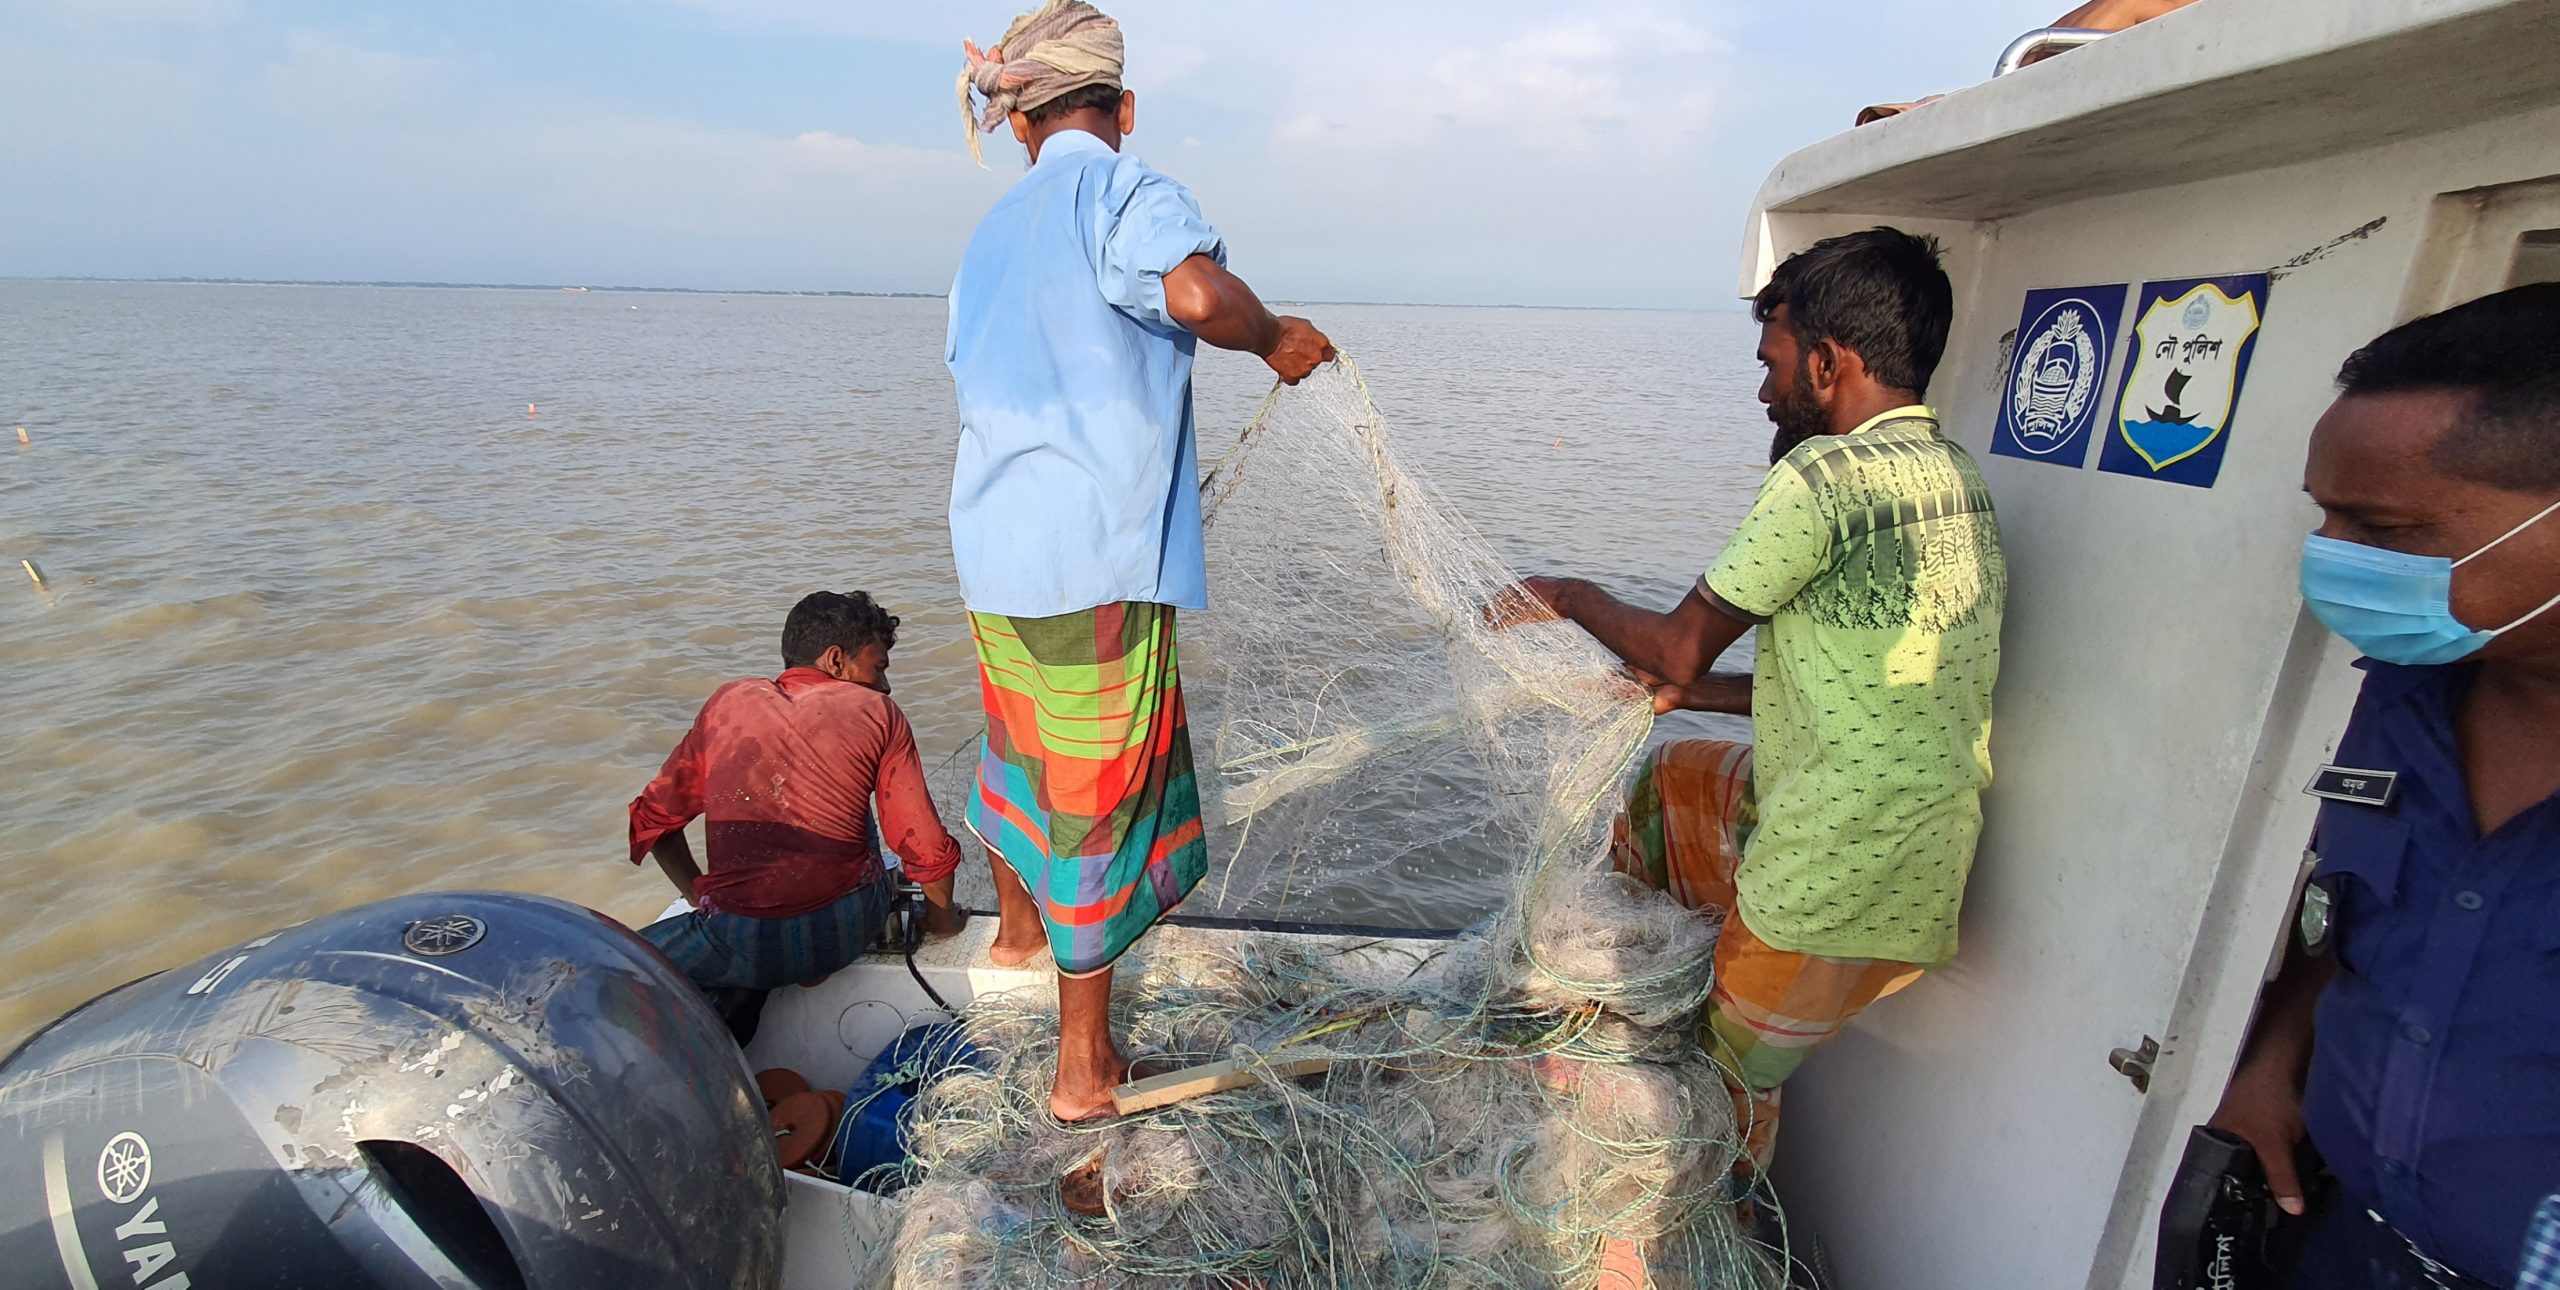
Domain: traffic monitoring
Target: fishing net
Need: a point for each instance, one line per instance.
(1361, 724)
(1525, 1105)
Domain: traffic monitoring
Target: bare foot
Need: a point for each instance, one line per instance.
(1087, 1098)
(1082, 1106)
(1090, 1064)
(1013, 950)
(1020, 932)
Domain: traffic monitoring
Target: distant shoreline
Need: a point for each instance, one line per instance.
(574, 288)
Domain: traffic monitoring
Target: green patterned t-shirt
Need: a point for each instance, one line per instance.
(1876, 559)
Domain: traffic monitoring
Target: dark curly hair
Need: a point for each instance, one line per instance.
(824, 618)
(1880, 293)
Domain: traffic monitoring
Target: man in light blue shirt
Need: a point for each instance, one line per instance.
(1075, 514)
(1077, 478)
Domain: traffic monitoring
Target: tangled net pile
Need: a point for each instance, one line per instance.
(1526, 1105)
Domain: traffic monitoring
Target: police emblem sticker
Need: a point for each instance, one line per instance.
(2313, 921)
(2183, 372)
(2051, 403)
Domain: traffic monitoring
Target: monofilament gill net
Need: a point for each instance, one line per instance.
(1526, 1105)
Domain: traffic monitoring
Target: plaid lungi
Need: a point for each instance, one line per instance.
(1084, 782)
(718, 950)
(1689, 815)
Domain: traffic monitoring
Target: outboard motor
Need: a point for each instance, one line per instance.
(466, 1090)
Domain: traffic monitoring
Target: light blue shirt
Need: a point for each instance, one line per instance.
(1078, 480)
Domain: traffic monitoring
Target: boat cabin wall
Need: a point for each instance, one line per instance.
(2162, 701)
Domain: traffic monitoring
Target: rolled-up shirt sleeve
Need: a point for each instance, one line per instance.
(908, 823)
(1143, 232)
(673, 799)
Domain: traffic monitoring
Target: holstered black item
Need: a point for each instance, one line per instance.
(905, 934)
(2219, 1224)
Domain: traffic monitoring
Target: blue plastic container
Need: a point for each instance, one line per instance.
(867, 1138)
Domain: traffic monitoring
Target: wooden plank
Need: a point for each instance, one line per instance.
(1216, 1077)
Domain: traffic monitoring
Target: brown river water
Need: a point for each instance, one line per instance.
(330, 617)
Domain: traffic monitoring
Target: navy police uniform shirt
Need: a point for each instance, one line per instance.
(2434, 1091)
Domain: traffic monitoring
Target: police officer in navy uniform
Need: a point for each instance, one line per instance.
(2414, 1031)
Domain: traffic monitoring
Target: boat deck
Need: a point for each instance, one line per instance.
(830, 1033)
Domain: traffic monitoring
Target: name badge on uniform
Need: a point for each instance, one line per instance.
(2347, 784)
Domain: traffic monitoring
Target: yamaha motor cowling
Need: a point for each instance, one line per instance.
(464, 1090)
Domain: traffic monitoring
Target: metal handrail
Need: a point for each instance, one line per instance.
(2043, 40)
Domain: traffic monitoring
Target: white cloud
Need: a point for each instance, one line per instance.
(326, 158)
(324, 79)
(1357, 149)
(1352, 73)
(1460, 62)
(817, 189)
(1498, 150)
(941, 23)
(1526, 155)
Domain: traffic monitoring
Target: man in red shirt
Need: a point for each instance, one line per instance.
(788, 770)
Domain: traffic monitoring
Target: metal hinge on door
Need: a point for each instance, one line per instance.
(2135, 1063)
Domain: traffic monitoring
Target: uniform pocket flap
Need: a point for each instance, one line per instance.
(2363, 845)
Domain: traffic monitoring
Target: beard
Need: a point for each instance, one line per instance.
(1798, 418)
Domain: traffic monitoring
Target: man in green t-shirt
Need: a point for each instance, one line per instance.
(1835, 848)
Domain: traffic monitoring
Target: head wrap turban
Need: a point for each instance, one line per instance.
(1058, 48)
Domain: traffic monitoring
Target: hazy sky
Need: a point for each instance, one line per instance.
(1596, 152)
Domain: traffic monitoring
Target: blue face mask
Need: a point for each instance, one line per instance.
(2394, 606)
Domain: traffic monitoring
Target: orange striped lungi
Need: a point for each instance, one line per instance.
(1689, 817)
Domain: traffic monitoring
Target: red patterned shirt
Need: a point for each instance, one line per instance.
(787, 771)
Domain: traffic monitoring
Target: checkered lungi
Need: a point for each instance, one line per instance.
(724, 951)
(1085, 782)
(1689, 814)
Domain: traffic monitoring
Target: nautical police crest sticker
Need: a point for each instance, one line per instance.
(2192, 338)
(2057, 373)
